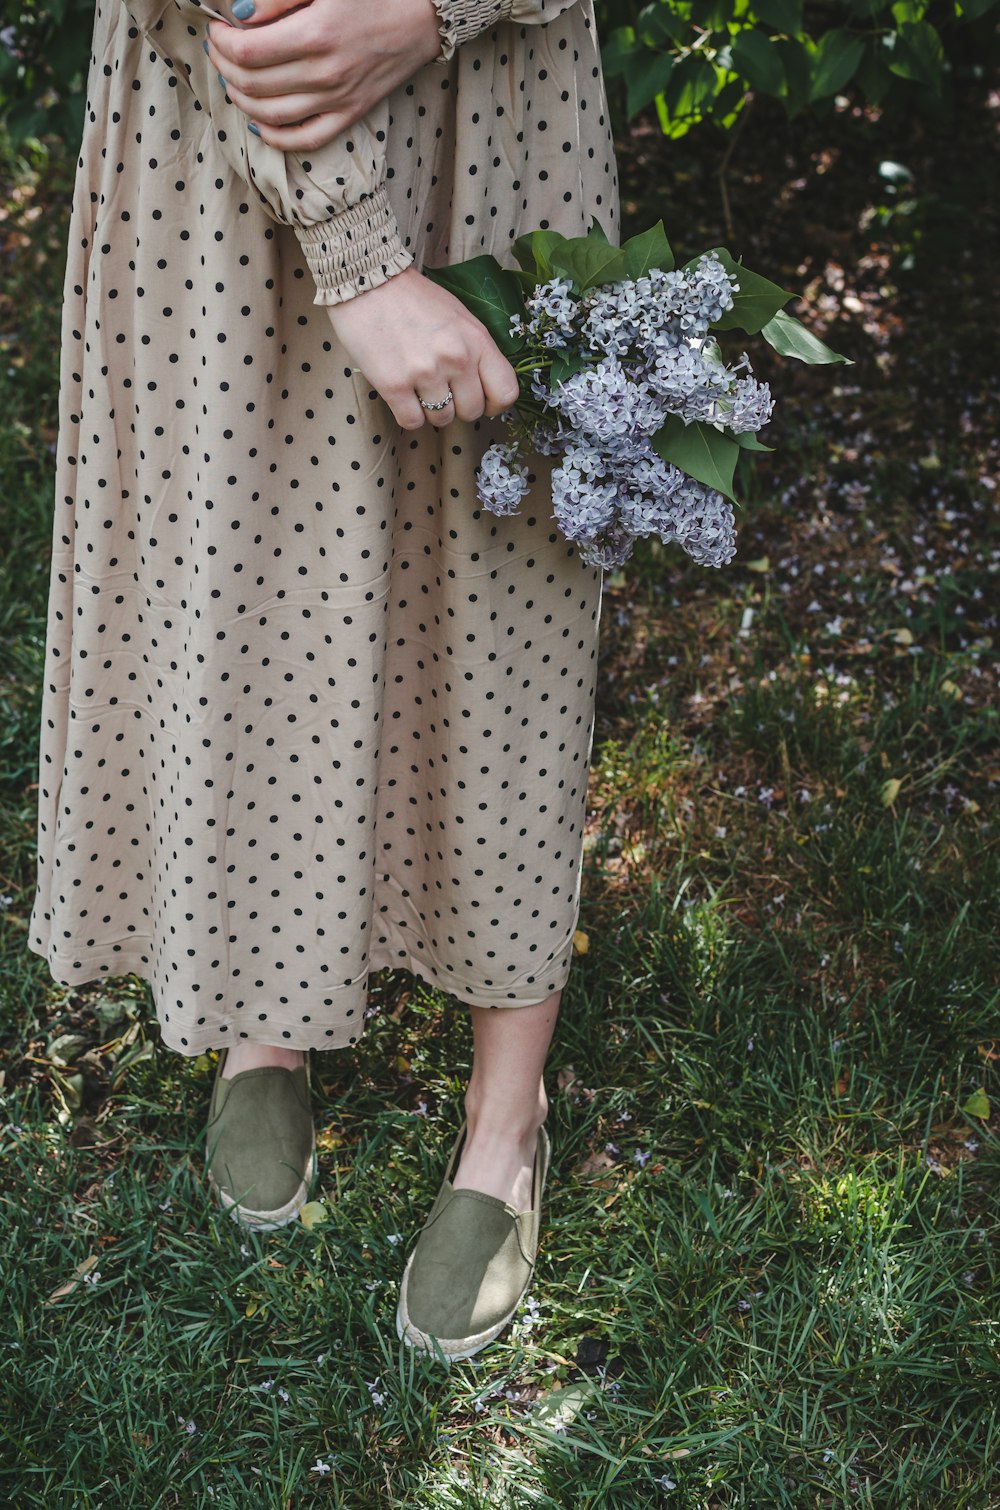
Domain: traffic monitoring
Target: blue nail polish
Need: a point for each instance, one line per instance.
(205, 46)
(222, 81)
(243, 9)
(253, 128)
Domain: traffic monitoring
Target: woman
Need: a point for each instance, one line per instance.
(309, 711)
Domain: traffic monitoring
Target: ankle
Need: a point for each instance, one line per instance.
(256, 1056)
(494, 1120)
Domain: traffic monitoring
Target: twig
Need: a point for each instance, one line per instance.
(724, 165)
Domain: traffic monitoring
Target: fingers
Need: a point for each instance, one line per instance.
(288, 39)
(498, 379)
(261, 79)
(288, 110)
(418, 346)
(469, 398)
(307, 136)
(408, 411)
(253, 12)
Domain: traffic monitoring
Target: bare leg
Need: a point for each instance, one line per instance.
(255, 1056)
(505, 1101)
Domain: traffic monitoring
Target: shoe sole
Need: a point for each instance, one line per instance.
(458, 1348)
(269, 1221)
(454, 1349)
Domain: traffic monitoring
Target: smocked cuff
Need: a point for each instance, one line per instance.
(461, 20)
(355, 251)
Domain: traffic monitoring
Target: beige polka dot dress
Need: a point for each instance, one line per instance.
(310, 711)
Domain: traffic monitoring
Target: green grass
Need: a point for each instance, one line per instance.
(769, 1271)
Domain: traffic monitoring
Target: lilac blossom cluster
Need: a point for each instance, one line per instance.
(642, 352)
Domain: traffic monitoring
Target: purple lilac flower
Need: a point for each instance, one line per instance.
(502, 484)
(638, 311)
(688, 378)
(752, 406)
(603, 402)
(613, 547)
(654, 357)
(553, 309)
(583, 500)
(705, 524)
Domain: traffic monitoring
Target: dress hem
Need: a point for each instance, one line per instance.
(340, 1037)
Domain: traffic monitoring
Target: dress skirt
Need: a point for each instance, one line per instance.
(310, 710)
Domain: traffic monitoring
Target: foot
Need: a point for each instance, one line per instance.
(499, 1161)
(258, 1056)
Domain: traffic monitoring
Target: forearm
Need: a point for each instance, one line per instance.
(334, 198)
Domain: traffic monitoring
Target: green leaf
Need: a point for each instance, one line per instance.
(533, 252)
(790, 338)
(597, 231)
(491, 292)
(712, 15)
(691, 84)
(918, 55)
(618, 50)
(133, 1056)
(748, 441)
(978, 1105)
(872, 76)
(67, 1048)
(563, 365)
(837, 56)
(588, 261)
(797, 59)
(645, 78)
(783, 15)
(649, 249)
(702, 451)
(756, 302)
(313, 1214)
(759, 61)
(659, 26)
(558, 1409)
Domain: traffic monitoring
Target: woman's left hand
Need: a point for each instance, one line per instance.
(305, 75)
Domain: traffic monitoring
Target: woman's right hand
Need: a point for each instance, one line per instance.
(414, 340)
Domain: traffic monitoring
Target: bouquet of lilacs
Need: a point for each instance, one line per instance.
(623, 379)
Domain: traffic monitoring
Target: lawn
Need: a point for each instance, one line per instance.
(769, 1268)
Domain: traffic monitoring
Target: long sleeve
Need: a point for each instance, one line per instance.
(334, 199)
(461, 20)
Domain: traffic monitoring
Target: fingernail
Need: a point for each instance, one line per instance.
(205, 46)
(222, 82)
(243, 9)
(254, 129)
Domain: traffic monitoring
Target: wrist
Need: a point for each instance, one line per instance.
(405, 279)
(431, 34)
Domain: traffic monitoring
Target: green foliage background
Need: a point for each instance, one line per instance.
(700, 60)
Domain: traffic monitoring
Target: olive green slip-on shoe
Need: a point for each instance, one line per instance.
(260, 1148)
(471, 1265)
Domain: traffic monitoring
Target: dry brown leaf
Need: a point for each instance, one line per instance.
(596, 1163)
(79, 1273)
